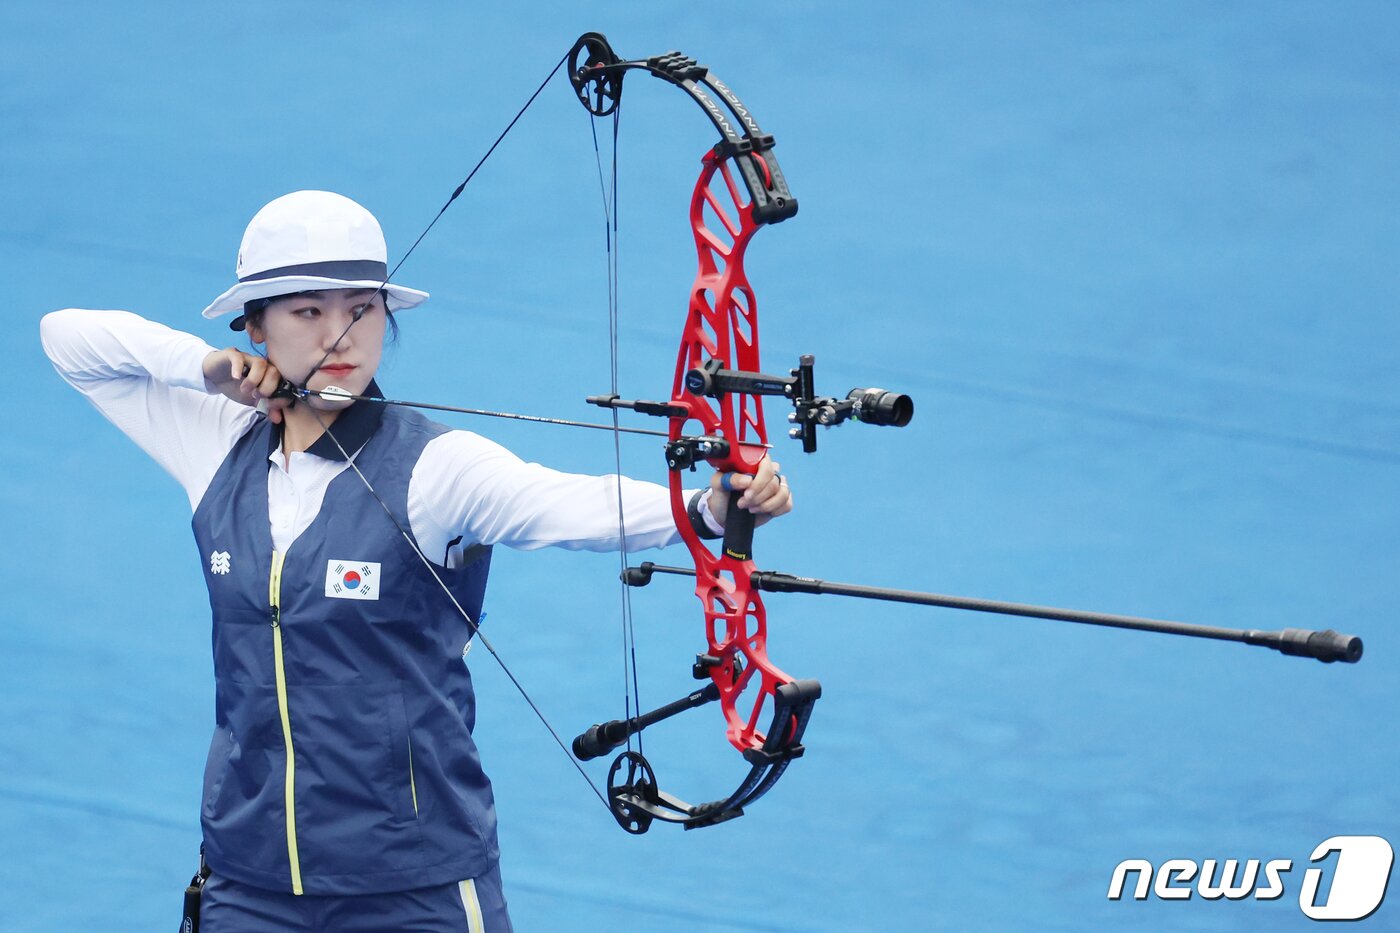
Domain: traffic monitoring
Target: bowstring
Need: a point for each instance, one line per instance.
(355, 319)
(631, 691)
(473, 627)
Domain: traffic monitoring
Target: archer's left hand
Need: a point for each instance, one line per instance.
(765, 493)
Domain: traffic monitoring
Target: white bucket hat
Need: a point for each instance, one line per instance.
(311, 241)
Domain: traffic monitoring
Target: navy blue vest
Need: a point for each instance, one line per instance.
(342, 760)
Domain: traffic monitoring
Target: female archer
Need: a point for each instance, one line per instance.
(343, 789)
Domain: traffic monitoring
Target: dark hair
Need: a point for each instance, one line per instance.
(254, 310)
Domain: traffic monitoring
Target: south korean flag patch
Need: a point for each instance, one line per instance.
(352, 579)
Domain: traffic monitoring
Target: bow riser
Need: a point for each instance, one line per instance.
(722, 325)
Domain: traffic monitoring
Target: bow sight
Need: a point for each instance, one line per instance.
(870, 406)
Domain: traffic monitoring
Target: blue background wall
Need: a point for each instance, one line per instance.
(1135, 261)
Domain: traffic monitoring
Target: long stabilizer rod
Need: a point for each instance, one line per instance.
(1325, 646)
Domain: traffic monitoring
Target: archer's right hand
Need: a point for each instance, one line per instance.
(246, 378)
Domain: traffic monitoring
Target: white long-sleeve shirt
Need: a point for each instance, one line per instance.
(148, 380)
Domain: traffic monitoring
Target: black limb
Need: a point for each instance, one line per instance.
(596, 80)
(596, 74)
(600, 739)
(751, 152)
(1326, 646)
(636, 800)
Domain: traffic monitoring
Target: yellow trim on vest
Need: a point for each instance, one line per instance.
(471, 905)
(274, 597)
(412, 785)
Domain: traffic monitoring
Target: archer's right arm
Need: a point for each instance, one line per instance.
(149, 381)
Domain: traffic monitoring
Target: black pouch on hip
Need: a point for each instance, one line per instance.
(189, 923)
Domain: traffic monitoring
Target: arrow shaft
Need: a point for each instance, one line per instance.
(513, 416)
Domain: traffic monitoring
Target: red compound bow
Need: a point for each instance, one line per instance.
(715, 415)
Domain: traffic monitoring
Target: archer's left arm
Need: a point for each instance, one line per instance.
(471, 489)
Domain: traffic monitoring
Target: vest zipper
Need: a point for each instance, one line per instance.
(274, 598)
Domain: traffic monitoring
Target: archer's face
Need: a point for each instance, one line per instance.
(299, 330)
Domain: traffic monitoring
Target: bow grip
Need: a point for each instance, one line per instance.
(738, 529)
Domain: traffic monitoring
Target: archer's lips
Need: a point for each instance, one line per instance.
(342, 369)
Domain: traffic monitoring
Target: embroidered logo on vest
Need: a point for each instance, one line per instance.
(218, 562)
(352, 579)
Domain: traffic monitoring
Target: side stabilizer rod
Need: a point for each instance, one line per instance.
(1326, 646)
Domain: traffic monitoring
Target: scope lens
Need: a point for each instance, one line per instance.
(881, 406)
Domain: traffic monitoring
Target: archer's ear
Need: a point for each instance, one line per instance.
(256, 334)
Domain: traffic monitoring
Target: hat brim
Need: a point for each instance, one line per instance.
(397, 297)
